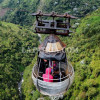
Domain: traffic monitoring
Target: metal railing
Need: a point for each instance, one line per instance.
(67, 67)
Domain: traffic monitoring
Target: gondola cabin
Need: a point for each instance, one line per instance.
(52, 74)
(52, 52)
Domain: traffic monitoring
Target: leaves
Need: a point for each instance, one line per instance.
(12, 59)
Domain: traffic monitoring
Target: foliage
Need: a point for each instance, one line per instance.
(13, 59)
(86, 59)
(29, 91)
(20, 10)
(83, 48)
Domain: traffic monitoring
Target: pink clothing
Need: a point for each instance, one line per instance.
(54, 65)
(47, 76)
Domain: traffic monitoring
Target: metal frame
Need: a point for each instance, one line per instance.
(53, 26)
(67, 76)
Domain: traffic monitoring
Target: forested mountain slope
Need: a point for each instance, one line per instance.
(84, 54)
(83, 48)
(16, 52)
(20, 10)
(83, 51)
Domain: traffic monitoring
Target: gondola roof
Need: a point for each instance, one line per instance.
(52, 48)
(52, 43)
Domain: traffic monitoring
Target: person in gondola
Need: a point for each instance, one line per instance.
(56, 74)
(54, 65)
(47, 77)
(46, 63)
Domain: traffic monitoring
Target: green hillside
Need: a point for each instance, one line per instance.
(16, 52)
(17, 48)
(20, 10)
(85, 57)
(83, 51)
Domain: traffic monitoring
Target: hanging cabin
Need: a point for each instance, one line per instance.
(51, 51)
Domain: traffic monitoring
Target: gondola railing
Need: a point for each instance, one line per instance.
(36, 74)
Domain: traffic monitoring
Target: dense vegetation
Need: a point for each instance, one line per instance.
(16, 52)
(20, 10)
(75, 7)
(85, 56)
(16, 48)
(83, 50)
(29, 91)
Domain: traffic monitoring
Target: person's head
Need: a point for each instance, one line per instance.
(48, 70)
(45, 60)
(56, 69)
(54, 65)
(54, 61)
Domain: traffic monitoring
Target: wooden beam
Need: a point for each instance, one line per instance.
(66, 15)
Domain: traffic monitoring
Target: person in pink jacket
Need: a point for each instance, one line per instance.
(47, 77)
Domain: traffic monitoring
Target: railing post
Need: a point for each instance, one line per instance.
(59, 72)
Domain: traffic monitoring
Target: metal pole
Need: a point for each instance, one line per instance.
(52, 67)
(59, 72)
(39, 66)
(48, 71)
(37, 77)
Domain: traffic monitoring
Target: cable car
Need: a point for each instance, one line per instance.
(52, 74)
